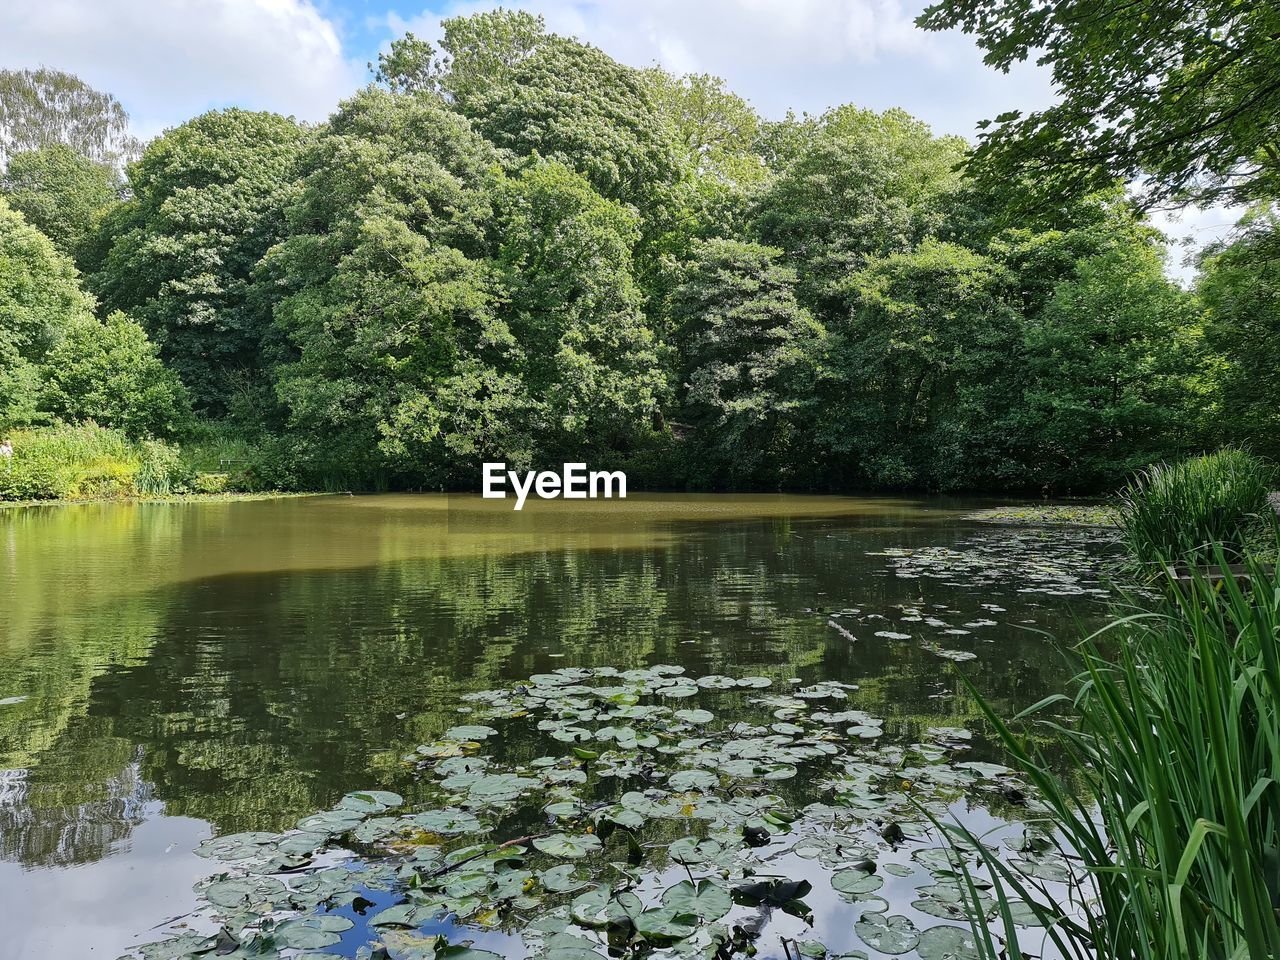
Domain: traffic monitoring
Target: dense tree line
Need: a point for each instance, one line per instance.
(513, 247)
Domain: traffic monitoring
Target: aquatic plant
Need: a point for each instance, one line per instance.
(1175, 850)
(1175, 513)
(592, 812)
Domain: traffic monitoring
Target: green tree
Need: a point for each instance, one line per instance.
(717, 129)
(863, 184)
(485, 49)
(1182, 93)
(43, 107)
(572, 304)
(40, 296)
(477, 53)
(1112, 363)
(208, 201)
(748, 358)
(1240, 289)
(920, 369)
(60, 192)
(389, 300)
(110, 373)
(572, 103)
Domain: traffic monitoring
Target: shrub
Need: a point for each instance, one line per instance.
(111, 373)
(1175, 513)
(89, 461)
(162, 471)
(211, 483)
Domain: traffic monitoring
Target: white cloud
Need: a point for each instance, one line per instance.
(168, 61)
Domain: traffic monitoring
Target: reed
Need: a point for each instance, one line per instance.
(1182, 512)
(1176, 843)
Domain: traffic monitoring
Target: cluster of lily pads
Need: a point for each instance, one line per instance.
(591, 813)
(1063, 561)
(1041, 514)
(912, 620)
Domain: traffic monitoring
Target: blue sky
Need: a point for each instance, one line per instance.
(168, 60)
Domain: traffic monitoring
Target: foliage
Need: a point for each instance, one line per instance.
(1185, 95)
(571, 303)
(915, 373)
(87, 461)
(39, 296)
(43, 107)
(748, 355)
(572, 103)
(861, 184)
(1112, 359)
(390, 311)
(61, 193)
(1179, 734)
(110, 373)
(1240, 291)
(1184, 512)
(208, 201)
(716, 128)
(519, 249)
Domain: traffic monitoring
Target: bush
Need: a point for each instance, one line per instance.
(86, 461)
(1175, 513)
(110, 372)
(211, 483)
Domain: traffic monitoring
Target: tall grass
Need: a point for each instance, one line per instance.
(1177, 843)
(1176, 513)
(85, 461)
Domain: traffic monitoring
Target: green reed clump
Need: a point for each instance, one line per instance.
(1174, 513)
(1177, 841)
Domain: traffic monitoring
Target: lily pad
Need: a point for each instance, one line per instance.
(569, 847)
(892, 935)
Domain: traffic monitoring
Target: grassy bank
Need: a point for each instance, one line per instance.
(88, 462)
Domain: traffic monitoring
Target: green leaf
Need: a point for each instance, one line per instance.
(569, 847)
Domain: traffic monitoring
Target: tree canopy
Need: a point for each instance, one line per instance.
(1181, 97)
(208, 201)
(43, 107)
(512, 247)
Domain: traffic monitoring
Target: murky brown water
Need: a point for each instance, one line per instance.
(176, 670)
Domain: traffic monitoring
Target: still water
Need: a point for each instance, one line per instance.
(169, 672)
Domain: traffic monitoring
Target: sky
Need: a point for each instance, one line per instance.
(168, 60)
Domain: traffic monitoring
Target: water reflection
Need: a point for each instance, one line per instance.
(244, 664)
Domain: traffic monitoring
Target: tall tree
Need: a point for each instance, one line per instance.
(1112, 364)
(1184, 94)
(39, 296)
(388, 301)
(572, 304)
(63, 194)
(572, 103)
(43, 107)
(1240, 290)
(716, 128)
(209, 199)
(862, 184)
(748, 358)
(920, 369)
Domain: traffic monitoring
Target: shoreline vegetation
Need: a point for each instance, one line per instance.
(512, 247)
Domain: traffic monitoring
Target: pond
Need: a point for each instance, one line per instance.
(171, 673)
